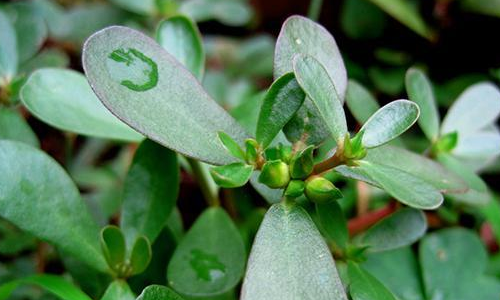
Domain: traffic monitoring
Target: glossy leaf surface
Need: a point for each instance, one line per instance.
(158, 292)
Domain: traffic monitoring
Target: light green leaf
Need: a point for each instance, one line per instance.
(301, 35)
(360, 102)
(404, 12)
(63, 99)
(364, 286)
(143, 7)
(229, 12)
(14, 127)
(113, 246)
(48, 58)
(290, 260)
(53, 284)
(400, 229)
(149, 90)
(314, 80)
(403, 186)
(480, 145)
(8, 50)
(158, 292)
(333, 223)
(270, 195)
(140, 256)
(231, 145)
(389, 122)
(281, 102)
(150, 192)
(210, 259)
(419, 90)
(307, 125)
(182, 39)
(38, 196)
(233, 175)
(118, 290)
(477, 107)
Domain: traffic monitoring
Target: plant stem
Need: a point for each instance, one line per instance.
(328, 164)
(314, 9)
(206, 183)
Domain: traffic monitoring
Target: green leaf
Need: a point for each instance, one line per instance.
(118, 290)
(8, 51)
(302, 163)
(231, 145)
(47, 58)
(182, 39)
(143, 7)
(307, 125)
(38, 196)
(141, 255)
(14, 127)
(150, 191)
(360, 102)
(290, 260)
(333, 223)
(51, 283)
(404, 12)
(420, 166)
(301, 35)
(158, 292)
(113, 246)
(480, 145)
(368, 25)
(449, 252)
(210, 259)
(318, 86)
(402, 228)
(403, 186)
(419, 90)
(366, 287)
(149, 90)
(389, 122)
(491, 212)
(63, 99)
(281, 102)
(229, 12)
(232, 176)
(490, 8)
(477, 107)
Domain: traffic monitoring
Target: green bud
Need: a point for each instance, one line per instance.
(446, 143)
(272, 153)
(302, 163)
(285, 153)
(275, 174)
(319, 190)
(252, 152)
(295, 188)
(353, 148)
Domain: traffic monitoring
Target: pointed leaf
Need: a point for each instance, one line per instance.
(403, 186)
(140, 255)
(314, 80)
(290, 260)
(14, 127)
(231, 145)
(8, 50)
(118, 290)
(150, 192)
(37, 195)
(301, 35)
(477, 107)
(210, 259)
(419, 90)
(233, 175)
(333, 223)
(53, 284)
(182, 39)
(64, 99)
(281, 102)
(361, 103)
(149, 90)
(366, 287)
(389, 122)
(158, 292)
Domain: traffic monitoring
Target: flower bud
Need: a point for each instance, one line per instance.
(275, 174)
(320, 190)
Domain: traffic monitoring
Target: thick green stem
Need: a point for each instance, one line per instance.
(205, 181)
(314, 9)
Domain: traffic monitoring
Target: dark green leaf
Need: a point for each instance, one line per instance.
(148, 89)
(490, 8)
(368, 25)
(333, 223)
(233, 175)
(14, 127)
(158, 292)
(113, 246)
(8, 51)
(290, 260)
(118, 290)
(302, 163)
(141, 255)
(360, 102)
(364, 286)
(231, 145)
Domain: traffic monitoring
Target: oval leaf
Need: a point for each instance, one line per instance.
(231, 146)
(232, 176)
(140, 256)
(152, 92)
(290, 260)
(158, 292)
(360, 102)
(113, 246)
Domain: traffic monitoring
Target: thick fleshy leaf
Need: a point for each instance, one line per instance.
(301, 35)
(333, 222)
(477, 107)
(363, 286)
(318, 86)
(48, 58)
(64, 99)
(8, 50)
(14, 127)
(307, 125)
(140, 256)
(232, 176)
(143, 7)
(37, 195)
(182, 39)
(451, 252)
(360, 102)
(229, 12)
(113, 246)
(389, 122)
(281, 102)
(290, 260)
(419, 90)
(57, 286)
(118, 290)
(231, 145)
(403, 186)
(400, 229)
(481, 145)
(420, 166)
(210, 259)
(158, 292)
(151, 91)
(150, 192)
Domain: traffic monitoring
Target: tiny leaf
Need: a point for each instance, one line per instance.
(113, 246)
(231, 145)
(140, 255)
(232, 176)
